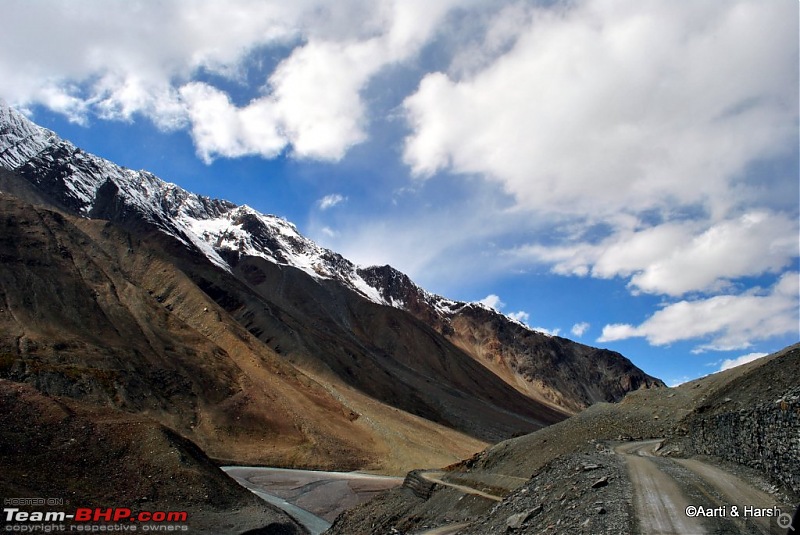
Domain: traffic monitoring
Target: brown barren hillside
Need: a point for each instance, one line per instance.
(89, 311)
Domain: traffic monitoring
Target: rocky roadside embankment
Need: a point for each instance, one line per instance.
(585, 492)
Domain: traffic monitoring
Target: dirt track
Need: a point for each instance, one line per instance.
(664, 489)
(436, 477)
(659, 501)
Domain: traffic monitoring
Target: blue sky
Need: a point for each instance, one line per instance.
(623, 173)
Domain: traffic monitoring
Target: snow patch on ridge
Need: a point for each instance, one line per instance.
(208, 225)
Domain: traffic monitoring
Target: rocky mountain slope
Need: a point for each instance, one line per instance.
(231, 327)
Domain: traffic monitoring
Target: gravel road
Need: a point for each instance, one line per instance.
(436, 477)
(664, 488)
(659, 501)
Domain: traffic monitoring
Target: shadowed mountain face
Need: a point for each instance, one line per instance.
(235, 330)
(550, 369)
(385, 353)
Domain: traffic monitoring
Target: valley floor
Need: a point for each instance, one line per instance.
(314, 498)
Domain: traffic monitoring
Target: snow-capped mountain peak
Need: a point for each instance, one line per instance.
(90, 186)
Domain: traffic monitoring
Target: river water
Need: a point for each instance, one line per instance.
(313, 498)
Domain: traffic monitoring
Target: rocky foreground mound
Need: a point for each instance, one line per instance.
(93, 457)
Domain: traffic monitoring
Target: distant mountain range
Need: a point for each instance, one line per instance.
(233, 329)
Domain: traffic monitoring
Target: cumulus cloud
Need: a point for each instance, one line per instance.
(727, 321)
(579, 116)
(520, 316)
(119, 59)
(675, 258)
(122, 58)
(579, 329)
(727, 364)
(548, 332)
(218, 128)
(313, 107)
(492, 301)
(635, 140)
(329, 201)
(637, 127)
(754, 243)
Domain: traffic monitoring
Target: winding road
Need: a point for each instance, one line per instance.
(436, 477)
(665, 488)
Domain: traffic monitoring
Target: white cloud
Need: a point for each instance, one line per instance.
(313, 107)
(678, 382)
(492, 301)
(316, 92)
(500, 32)
(128, 55)
(755, 243)
(613, 105)
(628, 135)
(329, 232)
(548, 332)
(638, 129)
(329, 201)
(218, 128)
(520, 316)
(119, 59)
(675, 258)
(727, 321)
(727, 364)
(579, 329)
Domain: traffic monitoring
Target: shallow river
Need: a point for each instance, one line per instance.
(313, 498)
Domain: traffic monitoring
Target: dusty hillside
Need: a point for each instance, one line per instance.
(654, 413)
(557, 371)
(93, 457)
(381, 351)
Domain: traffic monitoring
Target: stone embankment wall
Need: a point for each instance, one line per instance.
(765, 437)
(417, 484)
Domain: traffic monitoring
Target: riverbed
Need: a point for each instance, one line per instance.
(313, 498)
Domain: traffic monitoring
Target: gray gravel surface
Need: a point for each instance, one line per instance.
(580, 493)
